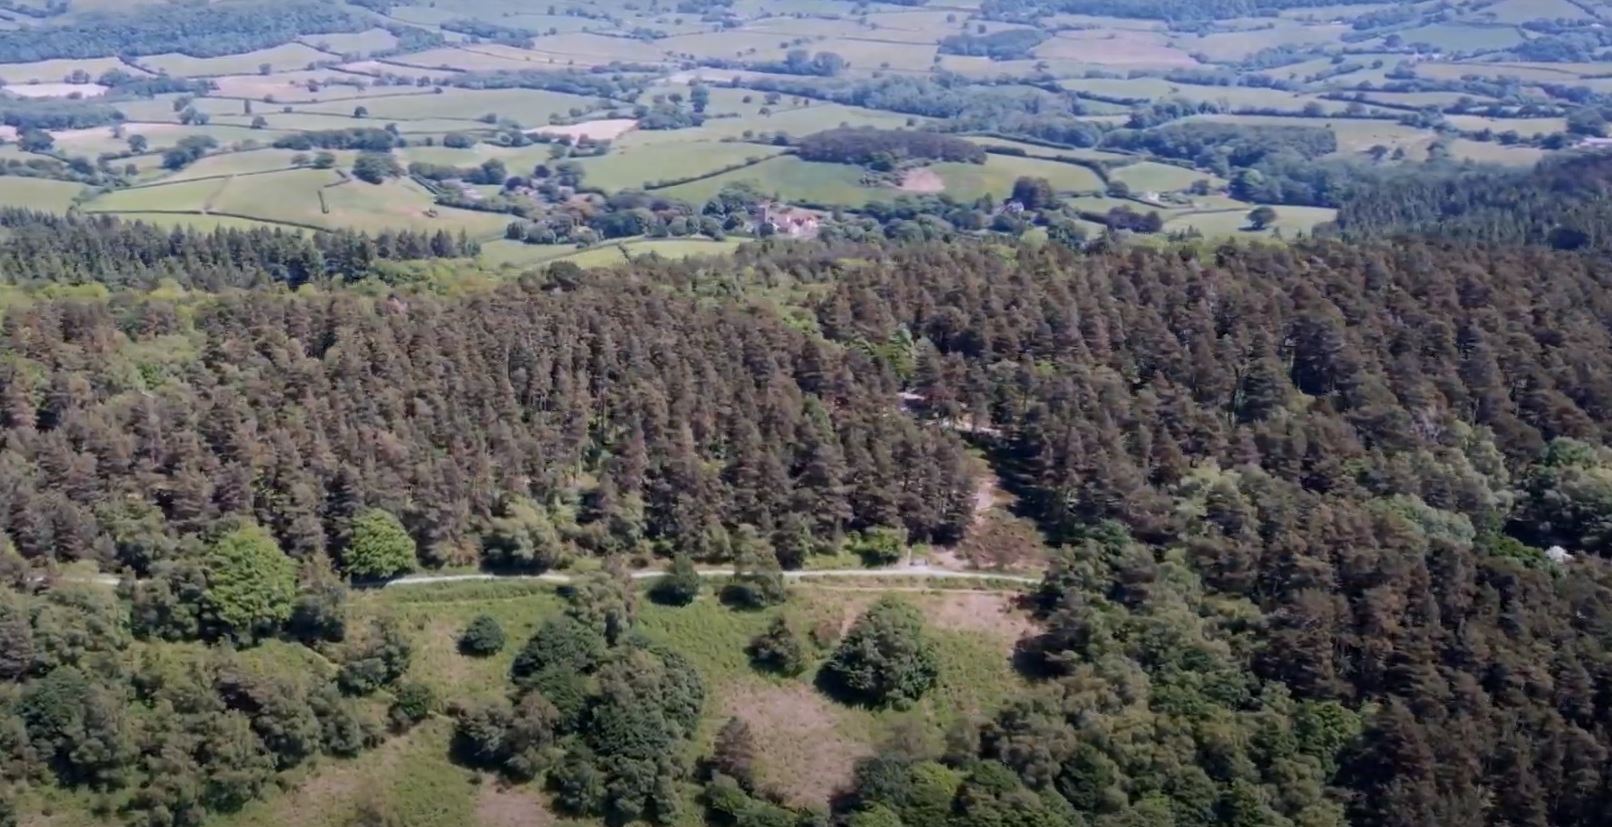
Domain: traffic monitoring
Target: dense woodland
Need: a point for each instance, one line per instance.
(1300, 499)
(1563, 203)
(202, 31)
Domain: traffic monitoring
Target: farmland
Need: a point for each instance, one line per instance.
(1411, 92)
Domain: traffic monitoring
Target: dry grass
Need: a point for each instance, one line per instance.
(990, 613)
(499, 806)
(802, 753)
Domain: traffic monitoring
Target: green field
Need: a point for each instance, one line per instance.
(53, 71)
(528, 106)
(995, 177)
(1151, 176)
(234, 163)
(1464, 37)
(631, 167)
(357, 43)
(1038, 151)
(790, 179)
(1234, 223)
(279, 58)
(37, 193)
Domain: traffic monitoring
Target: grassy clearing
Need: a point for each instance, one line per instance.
(1233, 224)
(38, 193)
(279, 58)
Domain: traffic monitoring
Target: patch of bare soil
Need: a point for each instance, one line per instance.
(922, 180)
(510, 807)
(802, 753)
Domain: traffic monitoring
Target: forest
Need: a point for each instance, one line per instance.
(1326, 519)
(225, 28)
(1563, 203)
(886, 147)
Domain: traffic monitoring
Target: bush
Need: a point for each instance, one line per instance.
(886, 659)
(483, 637)
(778, 649)
(880, 545)
(681, 584)
(413, 703)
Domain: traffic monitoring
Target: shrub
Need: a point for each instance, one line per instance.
(886, 658)
(483, 637)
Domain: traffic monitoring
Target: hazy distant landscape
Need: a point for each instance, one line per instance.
(651, 110)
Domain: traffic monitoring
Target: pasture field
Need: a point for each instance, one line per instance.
(1124, 49)
(790, 179)
(1464, 37)
(872, 56)
(354, 43)
(300, 86)
(1234, 223)
(1232, 46)
(38, 193)
(1423, 99)
(1488, 152)
(279, 58)
(1354, 134)
(1151, 176)
(185, 196)
(633, 167)
(995, 177)
(234, 163)
(1521, 11)
(586, 49)
(56, 71)
(1543, 73)
(1038, 151)
(528, 106)
(96, 140)
(1522, 126)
